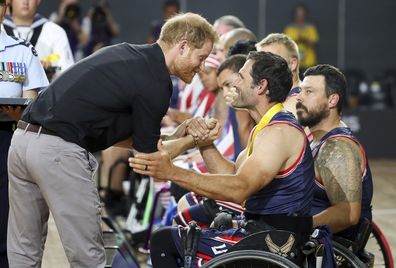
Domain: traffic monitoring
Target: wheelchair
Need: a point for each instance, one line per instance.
(281, 249)
(253, 252)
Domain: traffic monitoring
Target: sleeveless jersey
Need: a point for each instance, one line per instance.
(293, 92)
(291, 191)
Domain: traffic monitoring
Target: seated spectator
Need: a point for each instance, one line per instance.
(229, 39)
(227, 23)
(242, 47)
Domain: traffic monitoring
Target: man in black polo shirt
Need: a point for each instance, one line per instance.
(118, 94)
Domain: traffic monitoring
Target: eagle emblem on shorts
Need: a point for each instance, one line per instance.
(280, 250)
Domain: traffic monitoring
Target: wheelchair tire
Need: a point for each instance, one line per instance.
(378, 246)
(345, 258)
(249, 259)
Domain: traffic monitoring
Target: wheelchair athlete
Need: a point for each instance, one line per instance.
(343, 189)
(275, 174)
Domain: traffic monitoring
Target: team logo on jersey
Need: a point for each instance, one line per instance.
(280, 250)
(13, 72)
(219, 249)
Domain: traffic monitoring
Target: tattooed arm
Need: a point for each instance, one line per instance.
(339, 164)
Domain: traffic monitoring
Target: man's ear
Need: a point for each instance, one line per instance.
(263, 87)
(183, 44)
(293, 63)
(333, 100)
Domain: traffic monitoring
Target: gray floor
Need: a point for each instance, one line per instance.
(384, 207)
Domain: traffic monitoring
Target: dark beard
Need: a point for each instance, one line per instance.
(312, 118)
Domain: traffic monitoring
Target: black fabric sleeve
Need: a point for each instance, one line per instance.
(146, 121)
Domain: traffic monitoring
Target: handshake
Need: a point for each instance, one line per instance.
(203, 131)
(159, 164)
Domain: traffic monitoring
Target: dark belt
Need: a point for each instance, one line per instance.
(34, 128)
(296, 224)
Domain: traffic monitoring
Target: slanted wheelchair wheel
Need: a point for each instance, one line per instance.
(345, 258)
(249, 259)
(378, 246)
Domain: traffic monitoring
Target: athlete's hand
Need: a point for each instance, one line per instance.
(214, 133)
(198, 128)
(230, 95)
(157, 165)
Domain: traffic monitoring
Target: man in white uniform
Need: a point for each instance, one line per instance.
(49, 39)
(21, 75)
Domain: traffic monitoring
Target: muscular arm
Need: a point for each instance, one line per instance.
(339, 164)
(268, 158)
(215, 161)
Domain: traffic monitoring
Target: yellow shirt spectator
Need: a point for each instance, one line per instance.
(305, 36)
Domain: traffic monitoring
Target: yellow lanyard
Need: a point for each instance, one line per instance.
(263, 122)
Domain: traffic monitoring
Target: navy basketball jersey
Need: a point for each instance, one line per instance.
(291, 191)
(293, 92)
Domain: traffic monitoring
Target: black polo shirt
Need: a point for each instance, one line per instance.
(120, 91)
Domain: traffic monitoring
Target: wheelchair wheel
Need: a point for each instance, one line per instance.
(249, 259)
(345, 258)
(378, 246)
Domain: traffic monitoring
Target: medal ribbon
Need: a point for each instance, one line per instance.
(263, 122)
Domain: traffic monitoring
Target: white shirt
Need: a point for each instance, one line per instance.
(52, 41)
(18, 58)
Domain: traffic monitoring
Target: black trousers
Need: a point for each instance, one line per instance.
(5, 139)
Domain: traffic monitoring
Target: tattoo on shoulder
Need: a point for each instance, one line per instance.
(340, 167)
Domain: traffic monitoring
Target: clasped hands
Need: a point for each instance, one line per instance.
(159, 164)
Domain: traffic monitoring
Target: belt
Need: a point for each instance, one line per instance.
(34, 128)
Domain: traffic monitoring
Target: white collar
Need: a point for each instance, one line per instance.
(6, 41)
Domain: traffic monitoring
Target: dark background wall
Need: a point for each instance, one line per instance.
(353, 34)
(369, 40)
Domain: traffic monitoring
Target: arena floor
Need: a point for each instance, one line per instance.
(384, 210)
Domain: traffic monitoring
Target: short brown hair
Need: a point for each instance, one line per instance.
(280, 38)
(188, 26)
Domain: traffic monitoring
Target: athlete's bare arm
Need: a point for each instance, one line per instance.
(275, 148)
(339, 165)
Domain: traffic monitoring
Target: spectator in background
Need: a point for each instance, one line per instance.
(229, 39)
(101, 27)
(227, 23)
(49, 39)
(70, 19)
(305, 35)
(242, 47)
(169, 9)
